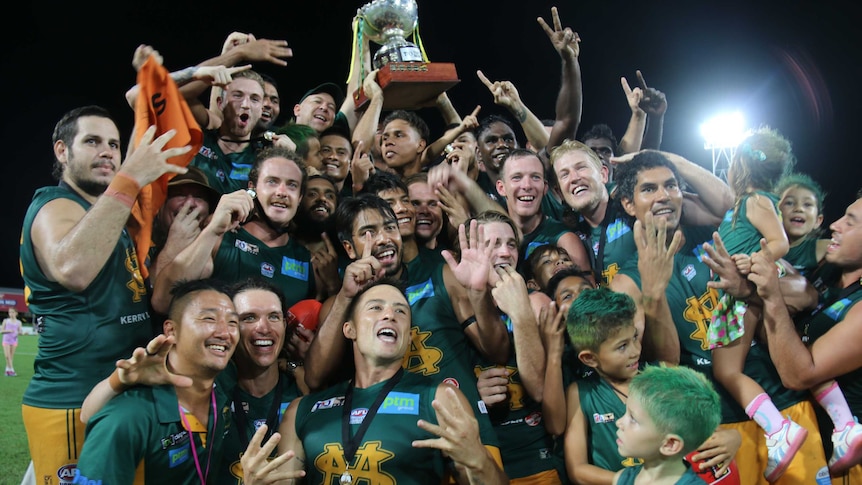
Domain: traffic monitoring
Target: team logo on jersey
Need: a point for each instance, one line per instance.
(294, 268)
(400, 403)
(367, 466)
(533, 419)
(220, 175)
(421, 358)
(328, 403)
(603, 418)
(136, 283)
(358, 415)
(689, 272)
(246, 247)
(267, 269)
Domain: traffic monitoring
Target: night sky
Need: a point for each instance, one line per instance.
(791, 65)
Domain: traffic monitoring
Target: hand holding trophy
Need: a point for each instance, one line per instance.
(408, 80)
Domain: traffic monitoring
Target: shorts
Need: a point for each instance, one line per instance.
(807, 467)
(56, 437)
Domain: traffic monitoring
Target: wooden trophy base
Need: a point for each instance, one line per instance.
(411, 85)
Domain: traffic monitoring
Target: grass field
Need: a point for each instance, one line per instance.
(13, 440)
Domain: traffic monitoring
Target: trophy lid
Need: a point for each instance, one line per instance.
(389, 16)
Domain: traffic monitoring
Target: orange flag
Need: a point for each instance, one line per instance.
(159, 103)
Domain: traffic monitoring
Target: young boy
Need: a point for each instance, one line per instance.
(670, 412)
(600, 323)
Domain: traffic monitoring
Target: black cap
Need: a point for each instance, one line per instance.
(331, 89)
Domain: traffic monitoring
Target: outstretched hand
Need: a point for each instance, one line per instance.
(504, 92)
(472, 270)
(257, 468)
(565, 41)
(148, 365)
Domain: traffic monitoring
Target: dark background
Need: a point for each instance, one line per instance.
(789, 65)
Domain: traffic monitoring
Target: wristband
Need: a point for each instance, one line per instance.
(782, 271)
(114, 382)
(124, 189)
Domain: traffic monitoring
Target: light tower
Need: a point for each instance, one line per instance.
(722, 134)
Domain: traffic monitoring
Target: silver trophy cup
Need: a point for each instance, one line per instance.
(389, 23)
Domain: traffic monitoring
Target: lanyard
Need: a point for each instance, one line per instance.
(202, 475)
(352, 444)
(271, 418)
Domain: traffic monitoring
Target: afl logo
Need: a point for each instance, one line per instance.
(533, 419)
(358, 415)
(452, 382)
(267, 269)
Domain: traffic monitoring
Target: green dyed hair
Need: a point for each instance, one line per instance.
(803, 181)
(680, 401)
(596, 315)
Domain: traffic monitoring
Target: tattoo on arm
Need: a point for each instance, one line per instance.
(185, 75)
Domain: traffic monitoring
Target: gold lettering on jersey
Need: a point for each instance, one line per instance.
(698, 311)
(367, 465)
(514, 389)
(136, 284)
(609, 273)
(629, 462)
(421, 358)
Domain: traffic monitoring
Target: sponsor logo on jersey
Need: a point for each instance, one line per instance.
(240, 171)
(400, 403)
(329, 403)
(178, 456)
(246, 247)
(173, 439)
(420, 291)
(603, 418)
(294, 268)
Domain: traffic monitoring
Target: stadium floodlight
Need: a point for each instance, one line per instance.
(722, 133)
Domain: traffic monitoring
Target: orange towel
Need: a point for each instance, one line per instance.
(159, 103)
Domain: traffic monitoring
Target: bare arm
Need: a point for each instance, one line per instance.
(764, 217)
(576, 445)
(633, 137)
(326, 350)
(654, 104)
(434, 150)
(366, 127)
(458, 182)
(506, 95)
(553, 327)
(447, 111)
(570, 97)
(510, 295)
(71, 244)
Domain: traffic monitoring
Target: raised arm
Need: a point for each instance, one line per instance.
(329, 346)
(366, 127)
(506, 95)
(633, 137)
(570, 97)
(72, 244)
(654, 104)
(470, 122)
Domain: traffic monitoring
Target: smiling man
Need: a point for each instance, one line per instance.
(168, 434)
(249, 237)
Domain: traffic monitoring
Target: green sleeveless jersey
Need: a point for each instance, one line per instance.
(602, 408)
(691, 304)
(143, 427)
(81, 334)
(525, 445)
(242, 255)
(440, 349)
(225, 172)
(610, 244)
(385, 455)
(253, 412)
(804, 256)
(740, 236)
(549, 231)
